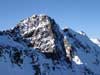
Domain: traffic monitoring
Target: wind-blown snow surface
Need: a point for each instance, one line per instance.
(8, 41)
(96, 41)
(37, 46)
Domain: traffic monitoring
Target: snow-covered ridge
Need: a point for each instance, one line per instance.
(37, 46)
(96, 41)
(8, 41)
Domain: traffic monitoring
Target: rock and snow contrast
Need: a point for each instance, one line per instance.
(37, 46)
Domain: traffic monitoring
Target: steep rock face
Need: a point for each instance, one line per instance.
(42, 33)
(17, 58)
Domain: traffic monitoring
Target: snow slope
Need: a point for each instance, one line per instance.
(8, 41)
(96, 41)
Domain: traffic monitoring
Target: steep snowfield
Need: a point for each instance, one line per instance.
(37, 46)
(96, 41)
(6, 40)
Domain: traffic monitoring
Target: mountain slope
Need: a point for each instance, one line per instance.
(37, 46)
(85, 54)
(96, 41)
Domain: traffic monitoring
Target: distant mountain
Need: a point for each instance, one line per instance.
(37, 46)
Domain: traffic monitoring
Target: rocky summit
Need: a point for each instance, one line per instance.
(38, 46)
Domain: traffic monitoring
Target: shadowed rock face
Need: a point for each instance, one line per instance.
(42, 33)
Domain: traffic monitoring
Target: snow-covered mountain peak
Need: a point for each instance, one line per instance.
(33, 23)
(42, 33)
(37, 46)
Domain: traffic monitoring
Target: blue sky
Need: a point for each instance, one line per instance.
(77, 14)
